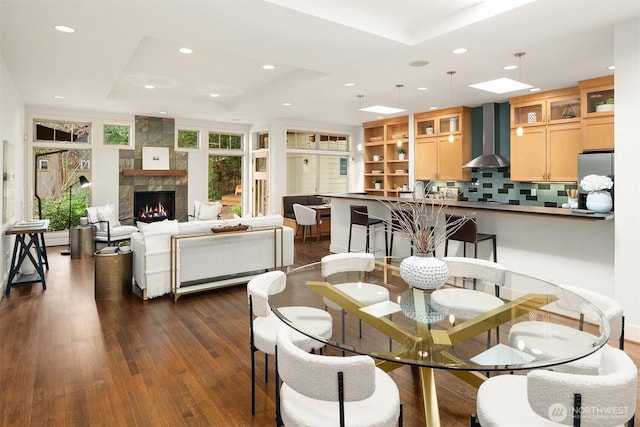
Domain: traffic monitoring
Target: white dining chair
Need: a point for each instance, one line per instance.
(319, 390)
(548, 398)
(305, 217)
(464, 304)
(365, 293)
(558, 338)
(264, 324)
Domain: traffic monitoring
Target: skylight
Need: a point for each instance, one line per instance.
(502, 85)
(381, 109)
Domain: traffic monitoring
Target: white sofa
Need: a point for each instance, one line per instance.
(219, 259)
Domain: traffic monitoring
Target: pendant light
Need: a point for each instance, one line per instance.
(451, 73)
(399, 86)
(359, 146)
(519, 55)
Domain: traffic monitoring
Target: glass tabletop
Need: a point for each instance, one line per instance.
(539, 324)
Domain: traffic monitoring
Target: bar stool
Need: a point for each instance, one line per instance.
(360, 216)
(395, 226)
(468, 233)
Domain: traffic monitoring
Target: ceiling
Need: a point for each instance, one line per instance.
(316, 47)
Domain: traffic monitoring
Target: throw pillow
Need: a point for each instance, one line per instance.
(107, 213)
(210, 210)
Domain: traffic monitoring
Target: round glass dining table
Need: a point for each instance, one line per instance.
(537, 324)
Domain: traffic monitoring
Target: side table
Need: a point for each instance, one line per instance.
(82, 241)
(113, 275)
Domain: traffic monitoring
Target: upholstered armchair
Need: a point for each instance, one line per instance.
(108, 227)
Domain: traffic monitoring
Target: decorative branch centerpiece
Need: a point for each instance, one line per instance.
(598, 197)
(422, 222)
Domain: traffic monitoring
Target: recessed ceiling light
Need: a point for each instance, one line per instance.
(460, 50)
(419, 63)
(510, 67)
(611, 67)
(422, 88)
(58, 97)
(185, 50)
(214, 95)
(64, 29)
(287, 104)
(149, 87)
(381, 109)
(535, 89)
(349, 84)
(268, 67)
(380, 117)
(502, 85)
(433, 108)
(162, 112)
(235, 120)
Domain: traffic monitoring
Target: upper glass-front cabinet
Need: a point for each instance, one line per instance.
(597, 96)
(439, 122)
(558, 106)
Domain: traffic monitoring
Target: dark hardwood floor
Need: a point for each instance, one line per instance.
(68, 360)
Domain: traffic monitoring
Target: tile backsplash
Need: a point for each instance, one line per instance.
(494, 185)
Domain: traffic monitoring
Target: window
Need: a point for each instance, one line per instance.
(116, 134)
(187, 138)
(63, 169)
(225, 141)
(317, 162)
(53, 131)
(317, 141)
(225, 172)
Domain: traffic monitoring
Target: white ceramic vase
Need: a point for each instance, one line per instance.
(599, 201)
(424, 271)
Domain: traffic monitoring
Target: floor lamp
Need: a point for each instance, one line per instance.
(84, 182)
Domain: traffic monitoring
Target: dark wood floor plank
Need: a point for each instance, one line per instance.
(68, 360)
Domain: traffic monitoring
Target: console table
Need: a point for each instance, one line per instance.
(29, 234)
(206, 283)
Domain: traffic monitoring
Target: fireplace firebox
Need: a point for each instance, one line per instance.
(151, 206)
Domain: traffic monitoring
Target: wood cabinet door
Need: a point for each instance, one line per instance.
(563, 145)
(529, 154)
(597, 133)
(426, 159)
(450, 159)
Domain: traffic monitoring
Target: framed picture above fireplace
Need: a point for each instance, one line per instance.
(155, 158)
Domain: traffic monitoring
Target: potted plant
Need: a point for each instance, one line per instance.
(401, 153)
(124, 246)
(605, 105)
(377, 183)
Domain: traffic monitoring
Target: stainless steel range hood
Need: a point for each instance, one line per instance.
(490, 143)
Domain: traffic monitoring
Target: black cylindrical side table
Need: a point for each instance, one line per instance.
(82, 241)
(113, 275)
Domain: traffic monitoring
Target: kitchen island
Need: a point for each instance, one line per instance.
(554, 244)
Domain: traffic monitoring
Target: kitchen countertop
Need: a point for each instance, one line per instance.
(488, 206)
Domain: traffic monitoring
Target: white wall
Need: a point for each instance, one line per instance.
(627, 179)
(12, 118)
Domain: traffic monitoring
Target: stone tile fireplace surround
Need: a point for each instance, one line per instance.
(153, 132)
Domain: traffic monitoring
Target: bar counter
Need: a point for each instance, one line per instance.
(553, 244)
(487, 206)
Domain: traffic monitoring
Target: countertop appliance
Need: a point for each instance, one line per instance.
(597, 164)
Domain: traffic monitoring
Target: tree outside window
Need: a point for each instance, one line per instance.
(63, 169)
(116, 134)
(225, 172)
(187, 138)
